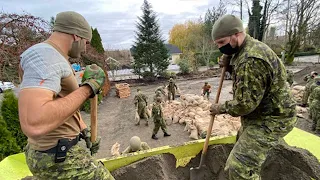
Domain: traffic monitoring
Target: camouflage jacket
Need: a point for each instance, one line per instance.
(311, 90)
(172, 87)
(261, 94)
(290, 77)
(144, 146)
(140, 99)
(157, 111)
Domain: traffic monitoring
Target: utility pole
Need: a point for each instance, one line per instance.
(241, 9)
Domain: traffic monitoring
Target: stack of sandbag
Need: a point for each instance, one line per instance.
(297, 92)
(123, 90)
(193, 112)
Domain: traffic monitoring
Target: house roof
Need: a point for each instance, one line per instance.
(173, 49)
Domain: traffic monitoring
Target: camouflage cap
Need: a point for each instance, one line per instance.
(135, 143)
(71, 22)
(226, 26)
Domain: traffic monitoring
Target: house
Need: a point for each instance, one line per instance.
(174, 53)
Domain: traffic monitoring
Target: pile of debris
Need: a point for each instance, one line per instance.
(193, 112)
(123, 90)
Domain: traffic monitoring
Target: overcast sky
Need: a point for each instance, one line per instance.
(114, 19)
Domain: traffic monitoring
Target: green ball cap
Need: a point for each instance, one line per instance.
(71, 22)
(226, 26)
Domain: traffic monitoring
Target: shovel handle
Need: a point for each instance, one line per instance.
(94, 118)
(205, 146)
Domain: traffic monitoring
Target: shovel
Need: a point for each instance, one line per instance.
(94, 117)
(198, 173)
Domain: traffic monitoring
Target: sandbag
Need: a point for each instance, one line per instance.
(168, 120)
(175, 119)
(194, 132)
(182, 120)
(136, 117)
(115, 149)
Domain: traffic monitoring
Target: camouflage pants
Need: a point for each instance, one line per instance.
(171, 94)
(142, 111)
(315, 114)
(78, 165)
(157, 124)
(250, 150)
(206, 93)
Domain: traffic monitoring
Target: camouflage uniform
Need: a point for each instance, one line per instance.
(140, 101)
(263, 100)
(206, 90)
(159, 93)
(172, 87)
(144, 146)
(315, 108)
(307, 91)
(78, 165)
(157, 115)
(290, 77)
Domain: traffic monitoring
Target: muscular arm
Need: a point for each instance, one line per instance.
(39, 113)
(251, 85)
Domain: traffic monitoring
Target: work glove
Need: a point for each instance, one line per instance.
(215, 109)
(95, 77)
(224, 60)
(95, 146)
(85, 134)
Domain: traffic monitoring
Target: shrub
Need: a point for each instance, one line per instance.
(8, 144)
(184, 66)
(148, 76)
(9, 110)
(211, 64)
(86, 105)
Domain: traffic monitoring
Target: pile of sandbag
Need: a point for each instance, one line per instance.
(302, 112)
(297, 92)
(123, 90)
(193, 112)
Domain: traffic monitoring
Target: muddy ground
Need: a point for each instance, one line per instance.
(116, 117)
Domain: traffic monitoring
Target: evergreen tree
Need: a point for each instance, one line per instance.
(96, 41)
(8, 144)
(149, 52)
(9, 111)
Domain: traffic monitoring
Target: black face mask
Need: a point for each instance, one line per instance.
(228, 49)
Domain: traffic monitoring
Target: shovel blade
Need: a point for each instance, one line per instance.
(197, 173)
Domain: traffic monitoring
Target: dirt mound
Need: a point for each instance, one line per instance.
(289, 163)
(298, 76)
(162, 167)
(282, 163)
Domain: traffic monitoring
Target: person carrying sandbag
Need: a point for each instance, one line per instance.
(141, 103)
(158, 120)
(172, 87)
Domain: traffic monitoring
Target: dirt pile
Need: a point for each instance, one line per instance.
(193, 112)
(289, 163)
(162, 167)
(298, 77)
(285, 163)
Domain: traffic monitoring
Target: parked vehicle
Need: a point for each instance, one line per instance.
(5, 86)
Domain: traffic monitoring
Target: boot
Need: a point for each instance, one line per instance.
(137, 124)
(166, 134)
(154, 137)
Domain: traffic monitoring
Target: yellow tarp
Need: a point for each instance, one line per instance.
(14, 167)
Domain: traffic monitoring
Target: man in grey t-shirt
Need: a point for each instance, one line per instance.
(49, 103)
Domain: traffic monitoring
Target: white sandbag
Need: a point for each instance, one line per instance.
(115, 149)
(136, 117)
(182, 120)
(175, 119)
(194, 132)
(168, 120)
(299, 88)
